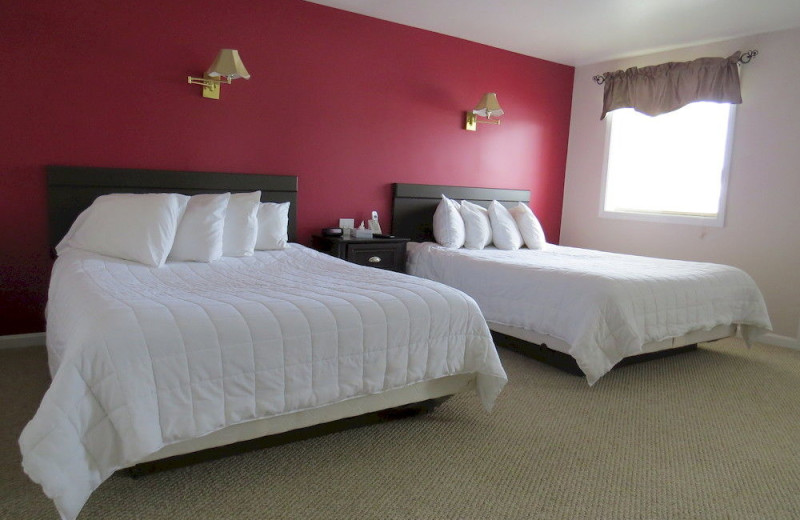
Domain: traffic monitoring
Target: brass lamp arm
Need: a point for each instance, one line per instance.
(207, 82)
(488, 121)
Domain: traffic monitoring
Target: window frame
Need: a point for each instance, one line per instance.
(667, 218)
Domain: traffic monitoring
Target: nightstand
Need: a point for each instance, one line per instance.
(383, 253)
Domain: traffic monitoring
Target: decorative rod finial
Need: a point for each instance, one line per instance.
(747, 56)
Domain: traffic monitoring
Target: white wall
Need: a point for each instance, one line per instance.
(762, 228)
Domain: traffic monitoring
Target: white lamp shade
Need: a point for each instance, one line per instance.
(228, 64)
(488, 106)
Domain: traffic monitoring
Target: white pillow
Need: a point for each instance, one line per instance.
(199, 235)
(505, 233)
(241, 224)
(273, 225)
(138, 227)
(448, 226)
(529, 226)
(476, 224)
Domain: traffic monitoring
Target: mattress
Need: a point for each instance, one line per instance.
(602, 307)
(143, 358)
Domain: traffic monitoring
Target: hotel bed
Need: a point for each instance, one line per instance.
(581, 310)
(152, 362)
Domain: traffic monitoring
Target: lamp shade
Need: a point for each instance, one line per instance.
(488, 106)
(228, 64)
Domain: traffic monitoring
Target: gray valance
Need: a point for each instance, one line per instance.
(663, 88)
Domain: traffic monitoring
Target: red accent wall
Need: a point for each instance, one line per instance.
(348, 103)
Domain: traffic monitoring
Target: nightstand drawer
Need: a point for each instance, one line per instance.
(387, 256)
(383, 253)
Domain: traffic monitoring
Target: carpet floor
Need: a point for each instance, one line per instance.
(713, 433)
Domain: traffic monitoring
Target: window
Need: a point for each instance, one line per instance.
(669, 168)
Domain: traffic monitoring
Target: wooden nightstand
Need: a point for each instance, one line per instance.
(383, 253)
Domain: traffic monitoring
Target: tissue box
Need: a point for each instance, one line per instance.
(361, 233)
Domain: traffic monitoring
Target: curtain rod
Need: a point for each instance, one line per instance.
(744, 58)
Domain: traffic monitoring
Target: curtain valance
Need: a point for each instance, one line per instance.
(663, 88)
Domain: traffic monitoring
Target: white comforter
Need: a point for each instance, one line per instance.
(144, 357)
(605, 306)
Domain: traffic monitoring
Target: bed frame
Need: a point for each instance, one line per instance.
(413, 206)
(71, 189)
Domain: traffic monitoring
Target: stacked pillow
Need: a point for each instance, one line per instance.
(478, 227)
(448, 226)
(240, 229)
(273, 225)
(199, 234)
(474, 227)
(529, 226)
(506, 232)
(153, 227)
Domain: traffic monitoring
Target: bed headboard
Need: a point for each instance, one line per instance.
(71, 189)
(413, 205)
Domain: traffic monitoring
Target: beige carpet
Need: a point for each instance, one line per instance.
(709, 434)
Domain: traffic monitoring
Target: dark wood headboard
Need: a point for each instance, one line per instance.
(71, 189)
(413, 205)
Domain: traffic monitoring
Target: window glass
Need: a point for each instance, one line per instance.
(672, 167)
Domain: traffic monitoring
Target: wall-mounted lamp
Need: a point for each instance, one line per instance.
(228, 66)
(488, 108)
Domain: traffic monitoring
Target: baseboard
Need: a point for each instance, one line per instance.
(34, 339)
(781, 341)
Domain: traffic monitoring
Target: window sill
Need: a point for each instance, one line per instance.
(660, 218)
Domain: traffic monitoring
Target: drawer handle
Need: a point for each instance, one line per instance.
(374, 260)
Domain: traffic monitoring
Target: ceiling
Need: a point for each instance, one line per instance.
(579, 32)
